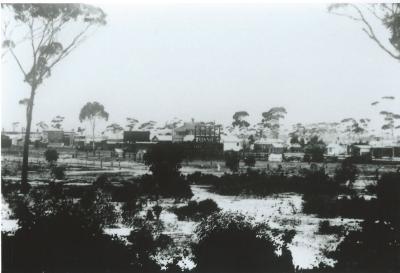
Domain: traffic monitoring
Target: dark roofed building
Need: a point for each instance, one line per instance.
(131, 137)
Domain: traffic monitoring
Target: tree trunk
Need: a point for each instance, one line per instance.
(93, 129)
(24, 174)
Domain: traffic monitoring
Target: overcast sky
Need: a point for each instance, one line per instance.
(206, 62)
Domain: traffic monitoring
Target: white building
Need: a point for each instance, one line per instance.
(335, 149)
(232, 143)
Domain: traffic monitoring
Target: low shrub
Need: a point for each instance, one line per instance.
(347, 172)
(374, 248)
(250, 161)
(325, 227)
(51, 155)
(232, 160)
(196, 210)
(231, 243)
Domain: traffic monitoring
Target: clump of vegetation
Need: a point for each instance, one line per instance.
(325, 227)
(374, 248)
(63, 236)
(57, 172)
(200, 178)
(250, 161)
(232, 160)
(231, 243)
(330, 205)
(388, 195)
(261, 183)
(164, 161)
(196, 210)
(347, 172)
(51, 156)
(67, 234)
(314, 150)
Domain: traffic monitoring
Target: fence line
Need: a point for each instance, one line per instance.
(89, 162)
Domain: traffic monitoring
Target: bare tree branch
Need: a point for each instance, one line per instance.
(17, 60)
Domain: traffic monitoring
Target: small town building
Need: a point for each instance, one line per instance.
(232, 143)
(269, 146)
(360, 150)
(336, 149)
(131, 137)
(295, 148)
(162, 139)
(53, 137)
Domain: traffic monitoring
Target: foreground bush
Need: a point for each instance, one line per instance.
(388, 194)
(58, 235)
(375, 248)
(229, 243)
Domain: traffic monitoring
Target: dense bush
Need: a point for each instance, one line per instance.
(328, 205)
(57, 172)
(164, 161)
(375, 248)
(261, 183)
(200, 178)
(51, 155)
(325, 227)
(230, 243)
(59, 235)
(196, 210)
(388, 194)
(314, 150)
(250, 161)
(232, 160)
(346, 172)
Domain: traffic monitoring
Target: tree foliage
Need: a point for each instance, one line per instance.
(314, 150)
(115, 128)
(369, 16)
(239, 119)
(51, 155)
(57, 121)
(52, 32)
(91, 112)
(271, 118)
(131, 123)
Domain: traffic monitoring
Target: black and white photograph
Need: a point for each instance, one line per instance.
(200, 137)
